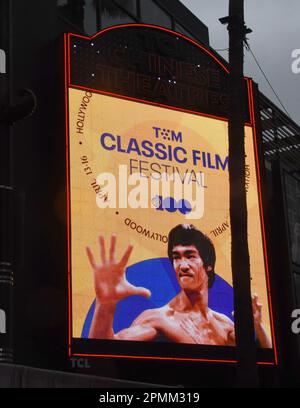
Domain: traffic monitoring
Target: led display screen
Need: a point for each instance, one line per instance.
(125, 161)
(149, 232)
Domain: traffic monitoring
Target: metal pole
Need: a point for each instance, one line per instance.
(246, 347)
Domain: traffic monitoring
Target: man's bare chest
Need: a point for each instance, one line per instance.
(193, 329)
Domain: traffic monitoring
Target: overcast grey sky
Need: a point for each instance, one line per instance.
(276, 33)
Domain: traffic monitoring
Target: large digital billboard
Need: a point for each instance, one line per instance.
(149, 229)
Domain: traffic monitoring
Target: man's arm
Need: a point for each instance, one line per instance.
(262, 336)
(229, 328)
(102, 323)
(137, 333)
(111, 286)
(231, 337)
(102, 327)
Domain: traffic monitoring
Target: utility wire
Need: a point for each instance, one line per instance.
(234, 45)
(223, 49)
(247, 46)
(265, 76)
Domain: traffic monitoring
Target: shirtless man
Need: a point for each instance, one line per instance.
(186, 318)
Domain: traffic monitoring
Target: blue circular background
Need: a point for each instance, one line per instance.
(159, 277)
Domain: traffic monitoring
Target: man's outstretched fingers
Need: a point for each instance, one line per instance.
(142, 292)
(102, 249)
(112, 248)
(91, 257)
(126, 256)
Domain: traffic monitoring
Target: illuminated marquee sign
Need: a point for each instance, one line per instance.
(148, 192)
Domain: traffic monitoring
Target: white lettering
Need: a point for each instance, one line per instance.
(296, 62)
(296, 323)
(2, 321)
(2, 62)
(138, 196)
(116, 398)
(107, 197)
(169, 194)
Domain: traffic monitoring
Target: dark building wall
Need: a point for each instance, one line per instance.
(41, 305)
(40, 333)
(39, 180)
(281, 140)
(36, 63)
(88, 16)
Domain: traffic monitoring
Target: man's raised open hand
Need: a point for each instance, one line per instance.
(110, 280)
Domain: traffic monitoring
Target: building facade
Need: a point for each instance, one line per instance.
(34, 166)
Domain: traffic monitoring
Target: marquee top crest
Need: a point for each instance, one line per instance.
(150, 64)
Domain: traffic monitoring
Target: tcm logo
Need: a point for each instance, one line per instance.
(296, 322)
(167, 134)
(296, 62)
(2, 322)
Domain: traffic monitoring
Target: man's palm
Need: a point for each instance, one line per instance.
(110, 281)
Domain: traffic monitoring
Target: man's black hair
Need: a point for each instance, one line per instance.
(187, 234)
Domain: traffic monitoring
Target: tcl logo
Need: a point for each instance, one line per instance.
(80, 362)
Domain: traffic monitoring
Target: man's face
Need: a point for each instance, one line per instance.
(189, 267)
